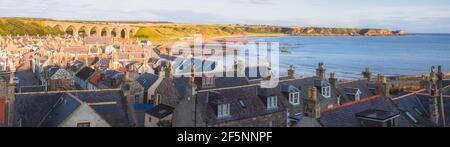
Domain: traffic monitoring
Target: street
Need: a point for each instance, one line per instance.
(25, 74)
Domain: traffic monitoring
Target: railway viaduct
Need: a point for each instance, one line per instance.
(114, 30)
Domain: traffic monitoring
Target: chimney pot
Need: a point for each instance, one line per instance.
(291, 72)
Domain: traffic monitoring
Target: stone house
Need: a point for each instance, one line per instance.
(56, 78)
(159, 116)
(249, 106)
(106, 108)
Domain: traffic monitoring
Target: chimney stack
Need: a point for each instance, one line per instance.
(385, 87)
(434, 93)
(239, 70)
(320, 71)
(291, 72)
(127, 76)
(312, 105)
(333, 79)
(168, 70)
(11, 77)
(367, 74)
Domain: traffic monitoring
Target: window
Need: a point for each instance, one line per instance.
(326, 91)
(242, 103)
(357, 98)
(223, 110)
(208, 82)
(294, 98)
(272, 102)
(84, 124)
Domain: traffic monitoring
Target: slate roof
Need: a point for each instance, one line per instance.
(32, 109)
(112, 75)
(446, 82)
(146, 80)
(169, 95)
(103, 63)
(76, 66)
(367, 90)
(160, 111)
(412, 105)
(304, 84)
(379, 115)
(114, 114)
(255, 106)
(424, 100)
(32, 89)
(345, 116)
(85, 73)
(51, 70)
(65, 106)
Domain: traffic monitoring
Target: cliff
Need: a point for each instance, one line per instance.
(314, 31)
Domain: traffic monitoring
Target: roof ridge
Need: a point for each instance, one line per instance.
(351, 103)
(251, 85)
(70, 91)
(409, 94)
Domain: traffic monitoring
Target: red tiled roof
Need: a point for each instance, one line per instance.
(121, 69)
(2, 110)
(95, 78)
(351, 103)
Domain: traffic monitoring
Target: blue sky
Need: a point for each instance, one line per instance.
(411, 15)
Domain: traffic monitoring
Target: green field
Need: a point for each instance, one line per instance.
(23, 26)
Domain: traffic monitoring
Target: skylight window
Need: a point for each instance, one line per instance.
(411, 117)
(272, 102)
(242, 103)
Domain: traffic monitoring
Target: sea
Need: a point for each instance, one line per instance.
(348, 56)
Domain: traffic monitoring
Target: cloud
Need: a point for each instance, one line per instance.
(254, 2)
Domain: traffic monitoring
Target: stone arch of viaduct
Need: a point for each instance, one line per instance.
(97, 30)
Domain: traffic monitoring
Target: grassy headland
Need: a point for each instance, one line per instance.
(172, 31)
(23, 26)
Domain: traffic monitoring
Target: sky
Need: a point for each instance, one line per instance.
(417, 16)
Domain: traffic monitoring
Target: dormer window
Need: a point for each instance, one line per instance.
(354, 93)
(326, 91)
(324, 87)
(223, 110)
(294, 98)
(272, 102)
(293, 93)
(208, 82)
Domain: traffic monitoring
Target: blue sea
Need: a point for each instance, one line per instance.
(348, 56)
